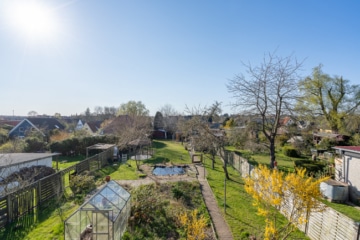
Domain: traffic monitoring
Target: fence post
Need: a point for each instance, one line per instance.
(39, 192)
(9, 208)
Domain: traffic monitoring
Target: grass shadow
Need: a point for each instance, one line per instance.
(157, 160)
(23, 225)
(158, 145)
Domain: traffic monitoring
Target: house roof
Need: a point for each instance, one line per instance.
(121, 122)
(10, 159)
(284, 120)
(10, 122)
(46, 123)
(348, 148)
(40, 124)
(118, 122)
(295, 139)
(94, 125)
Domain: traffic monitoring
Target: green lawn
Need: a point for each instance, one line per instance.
(287, 164)
(169, 152)
(240, 214)
(63, 162)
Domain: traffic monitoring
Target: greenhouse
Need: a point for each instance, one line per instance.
(103, 216)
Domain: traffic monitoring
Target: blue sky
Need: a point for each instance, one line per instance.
(182, 53)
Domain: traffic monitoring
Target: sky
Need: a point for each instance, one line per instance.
(64, 56)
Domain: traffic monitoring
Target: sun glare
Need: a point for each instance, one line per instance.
(33, 20)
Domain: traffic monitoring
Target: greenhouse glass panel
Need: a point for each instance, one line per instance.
(103, 216)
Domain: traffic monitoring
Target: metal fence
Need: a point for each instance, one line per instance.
(28, 200)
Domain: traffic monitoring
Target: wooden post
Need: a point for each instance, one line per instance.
(225, 195)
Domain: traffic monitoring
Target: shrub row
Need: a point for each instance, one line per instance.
(311, 167)
(290, 151)
(77, 146)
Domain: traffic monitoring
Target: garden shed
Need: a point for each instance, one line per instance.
(103, 216)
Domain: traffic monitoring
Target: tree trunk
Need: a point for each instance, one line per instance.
(272, 153)
(225, 159)
(213, 162)
(226, 171)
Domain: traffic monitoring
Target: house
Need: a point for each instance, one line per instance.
(347, 165)
(295, 139)
(9, 123)
(286, 121)
(39, 124)
(118, 124)
(159, 134)
(317, 137)
(93, 127)
(79, 125)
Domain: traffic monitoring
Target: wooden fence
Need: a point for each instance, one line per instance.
(28, 200)
(326, 225)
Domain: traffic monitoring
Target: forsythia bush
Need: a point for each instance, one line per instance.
(194, 225)
(295, 194)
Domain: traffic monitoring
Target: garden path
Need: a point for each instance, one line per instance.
(220, 226)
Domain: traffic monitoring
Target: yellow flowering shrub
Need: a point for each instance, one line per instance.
(269, 190)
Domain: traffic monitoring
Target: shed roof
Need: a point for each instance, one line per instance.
(101, 146)
(140, 142)
(348, 148)
(10, 159)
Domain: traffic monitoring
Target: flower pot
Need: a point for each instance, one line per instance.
(107, 178)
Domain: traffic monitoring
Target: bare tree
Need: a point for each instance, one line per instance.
(139, 127)
(267, 92)
(202, 138)
(98, 110)
(167, 110)
(32, 113)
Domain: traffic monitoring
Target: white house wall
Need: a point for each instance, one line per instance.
(353, 177)
(346, 170)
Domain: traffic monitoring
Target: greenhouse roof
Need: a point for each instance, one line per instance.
(112, 197)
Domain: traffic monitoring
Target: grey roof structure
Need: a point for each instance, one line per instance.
(9, 159)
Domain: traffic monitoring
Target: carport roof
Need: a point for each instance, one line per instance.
(9, 159)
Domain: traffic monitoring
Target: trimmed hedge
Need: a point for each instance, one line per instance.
(310, 166)
(75, 146)
(290, 151)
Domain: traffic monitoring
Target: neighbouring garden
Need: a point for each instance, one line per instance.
(167, 202)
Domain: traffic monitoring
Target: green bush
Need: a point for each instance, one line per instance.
(78, 146)
(290, 151)
(81, 185)
(311, 167)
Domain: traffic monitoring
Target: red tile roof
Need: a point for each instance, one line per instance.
(349, 148)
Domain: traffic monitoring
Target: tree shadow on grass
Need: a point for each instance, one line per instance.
(157, 160)
(158, 144)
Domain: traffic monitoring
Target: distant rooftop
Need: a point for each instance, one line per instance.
(9, 159)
